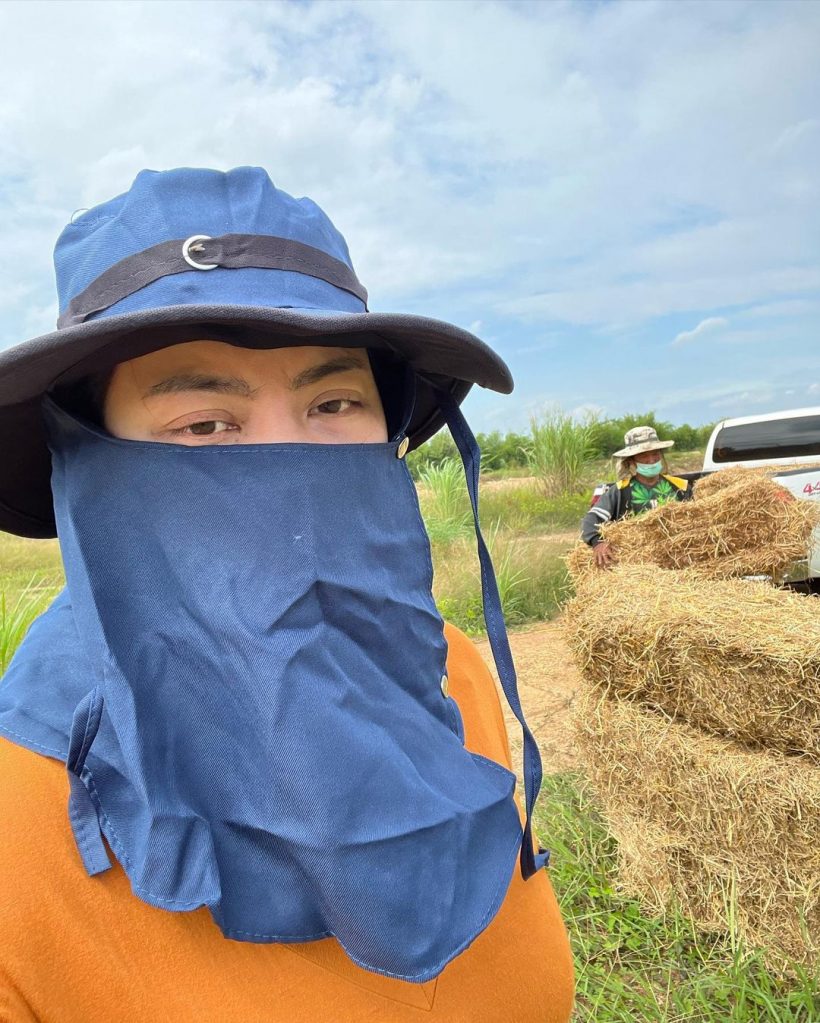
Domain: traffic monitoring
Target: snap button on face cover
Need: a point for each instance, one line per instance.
(401, 451)
(188, 246)
(445, 686)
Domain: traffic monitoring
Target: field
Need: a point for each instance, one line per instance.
(629, 966)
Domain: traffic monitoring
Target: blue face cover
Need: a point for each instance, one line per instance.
(244, 678)
(653, 469)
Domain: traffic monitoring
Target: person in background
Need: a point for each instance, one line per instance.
(643, 483)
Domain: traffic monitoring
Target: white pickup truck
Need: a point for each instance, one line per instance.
(783, 439)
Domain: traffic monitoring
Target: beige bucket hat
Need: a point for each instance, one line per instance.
(640, 439)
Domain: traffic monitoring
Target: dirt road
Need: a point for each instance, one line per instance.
(547, 683)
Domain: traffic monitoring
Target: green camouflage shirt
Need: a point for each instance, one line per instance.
(630, 495)
(644, 497)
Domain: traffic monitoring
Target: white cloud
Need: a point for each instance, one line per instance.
(557, 165)
(441, 161)
(786, 310)
(707, 326)
(768, 392)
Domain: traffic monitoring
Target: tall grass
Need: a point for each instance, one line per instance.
(445, 505)
(17, 616)
(530, 572)
(510, 574)
(560, 451)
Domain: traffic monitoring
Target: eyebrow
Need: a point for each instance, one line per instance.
(200, 382)
(313, 374)
(180, 382)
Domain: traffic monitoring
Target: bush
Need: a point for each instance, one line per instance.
(503, 451)
(433, 452)
(498, 451)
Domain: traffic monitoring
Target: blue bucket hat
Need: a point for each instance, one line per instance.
(190, 254)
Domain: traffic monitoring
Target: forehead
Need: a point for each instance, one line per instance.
(223, 357)
(209, 352)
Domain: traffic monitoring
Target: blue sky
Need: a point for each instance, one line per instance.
(622, 198)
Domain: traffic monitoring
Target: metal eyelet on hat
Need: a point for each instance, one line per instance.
(445, 686)
(188, 246)
(401, 450)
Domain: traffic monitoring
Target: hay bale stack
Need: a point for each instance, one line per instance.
(701, 822)
(743, 527)
(701, 728)
(737, 659)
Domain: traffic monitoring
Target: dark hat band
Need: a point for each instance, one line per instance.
(202, 253)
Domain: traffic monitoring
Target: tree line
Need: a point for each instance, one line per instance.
(514, 450)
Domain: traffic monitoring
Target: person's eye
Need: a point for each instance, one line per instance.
(334, 406)
(205, 428)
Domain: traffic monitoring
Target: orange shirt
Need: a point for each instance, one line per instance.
(79, 949)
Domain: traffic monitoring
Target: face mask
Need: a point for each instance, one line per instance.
(654, 469)
(250, 699)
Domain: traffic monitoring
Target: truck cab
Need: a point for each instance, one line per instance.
(788, 440)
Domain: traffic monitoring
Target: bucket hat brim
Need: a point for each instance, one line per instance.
(444, 356)
(638, 449)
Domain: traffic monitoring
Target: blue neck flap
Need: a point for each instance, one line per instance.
(244, 679)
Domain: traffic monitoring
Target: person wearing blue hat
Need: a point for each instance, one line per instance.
(288, 782)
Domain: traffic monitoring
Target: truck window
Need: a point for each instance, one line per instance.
(777, 438)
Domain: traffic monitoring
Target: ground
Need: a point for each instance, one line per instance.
(547, 683)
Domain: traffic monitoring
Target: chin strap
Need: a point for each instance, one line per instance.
(408, 401)
(497, 630)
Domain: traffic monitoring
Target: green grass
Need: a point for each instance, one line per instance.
(28, 566)
(530, 572)
(31, 574)
(16, 617)
(523, 509)
(635, 968)
(517, 522)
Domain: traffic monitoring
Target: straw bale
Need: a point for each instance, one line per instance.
(702, 823)
(717, 481)
(579, 562)
(742, 528)
(738, 659)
